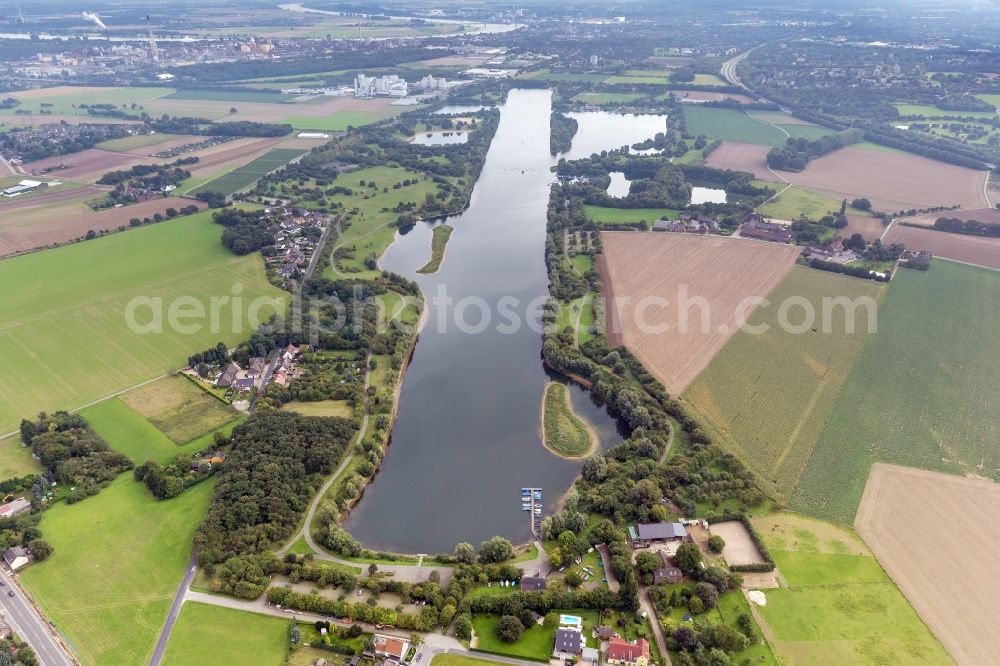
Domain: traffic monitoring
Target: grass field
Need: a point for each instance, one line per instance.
(545, 74)
(924, 392)
(811, 132)
(565, 433)
(118, 559)
(991, 99)
(646, 79)
(321, 408)
(535, 644)
(126, 431)
(766, 397)
(229, 636)
(838, 605)
(66, 100)
(730, 125)
(341, 121)
(795, 202)
(125, 144)
(708, 80)
(246, 175)
(934, 112)
(67, 336)
(229, 96)
(606, 97)
(443, 659)
(181, 410)
(628, 215)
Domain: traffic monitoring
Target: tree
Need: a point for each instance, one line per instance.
(688, 556)
(716, 543)
(726, 638)
(573, 578)
(861, 204)
(463, 626)
(707, 593)
(509, 629)
(595, 468)
(372, 569)
(465, 553)
(495, 550)
(647, 562)
(696, 605)
(686, 638)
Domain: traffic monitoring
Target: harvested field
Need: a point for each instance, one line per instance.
(976, 250)
(869, 227)
(641, 269)
(988, 215)
(891, 180)
(703, 96)
(60, 222)
(81, 193)
(766, 396)
(749, 157)
(168, 144)
(960, 604)
(249, 173)
(137, 143)
(86, 165)
(269, 112)
(740, 548)
(230, 154)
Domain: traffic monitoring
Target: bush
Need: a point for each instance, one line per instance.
(716, 543)
(509, 629)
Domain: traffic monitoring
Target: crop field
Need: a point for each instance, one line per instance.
(923, 392)
(891, 180)
(563, 431)
(651, 78)
(934, 112)
(629, 215)
(87, 165)
(838, 605)
(179, 409)
(749, 157)
(720, 273)
(248, 174)
(230, 96)
(230, 636)
(67, 336)
(730, 125)
(766, 396)
(111, 597)
(708, 80)
(897, 505)
(868, 226)
(321, 408)
(131, 143)
(695, 96)
(976, 250)
(545, 74)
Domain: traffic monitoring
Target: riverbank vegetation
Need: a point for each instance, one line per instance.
(563, 432)
(562, 129)
(439, 241)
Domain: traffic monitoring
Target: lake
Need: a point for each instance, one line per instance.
(440, 138)
(619, 186)
(468, 431)
(455, 109)
(700, 195)
(603, 130)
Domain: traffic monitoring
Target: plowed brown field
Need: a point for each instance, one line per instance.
(977, 250)
(935, 535)
(747, 157)
(675, 299)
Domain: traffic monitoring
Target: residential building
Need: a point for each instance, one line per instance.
(604, 633)
(257, 365)
(628, 653)
(228, 376)
(16, 557)
(569, 643)
(533, 583)
(590, 656)
(390, 647)
(15, 507)
(755, 226)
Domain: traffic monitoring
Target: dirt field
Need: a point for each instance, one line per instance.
(870, 228)
(747, 157)
(78, 194)
(740, 548)
(704, 96)
(989, 215)
(948, 574)
(713, 274)
(232, 153)
(86, 165)
(263, 112)
(976, 250)
(170, 144)
(44, 225)
(891, 181)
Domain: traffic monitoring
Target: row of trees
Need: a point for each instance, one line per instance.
(796, 153)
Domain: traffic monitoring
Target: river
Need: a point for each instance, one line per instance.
(467, 434)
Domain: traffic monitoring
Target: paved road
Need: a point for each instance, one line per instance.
(266, 377)
(319, 249)
(20, 613)
(175, 610)
(647, 606)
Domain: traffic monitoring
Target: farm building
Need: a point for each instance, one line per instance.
(628, 653)
(16, 557)
(643, 534)
(569, 643)
(390, 646)
(533, 583)
(228, 376)
(14, 507)
(755, 226)
(23, 187)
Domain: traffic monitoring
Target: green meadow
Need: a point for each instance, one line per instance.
(730, 125)
(67, 336)
(229, 636)
(628, 215)
(246, 175)
(117, 561)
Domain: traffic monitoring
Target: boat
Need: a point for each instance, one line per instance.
(525, 508)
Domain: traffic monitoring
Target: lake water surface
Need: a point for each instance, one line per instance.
(603, 130)
(468, 431)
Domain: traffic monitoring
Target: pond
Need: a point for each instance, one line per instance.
(456, 109)
(467, 435)
(700, 195)
(440, 138)
(619, 184)
(604, 130)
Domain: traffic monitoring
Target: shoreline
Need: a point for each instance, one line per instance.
(594, 440)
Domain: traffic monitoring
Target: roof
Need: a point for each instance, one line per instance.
(390, 645)
(531, 583)
(569, 640)
(14, 507)
(669, 574)
(620, 649)
(604, 633)
(653, 531)
(591, 654)
(12, 554)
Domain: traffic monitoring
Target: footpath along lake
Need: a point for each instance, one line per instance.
(467, 435)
